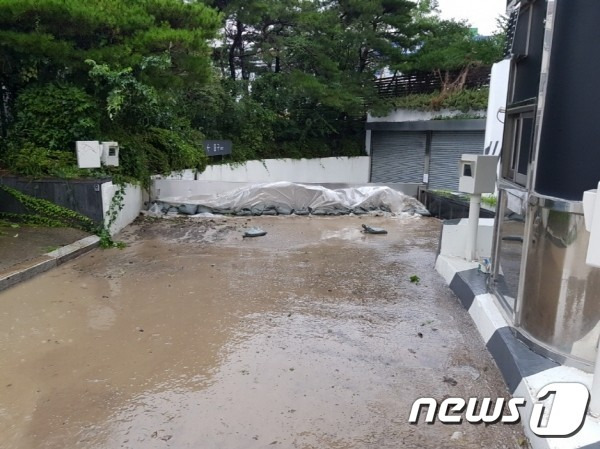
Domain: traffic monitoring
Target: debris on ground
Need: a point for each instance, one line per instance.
(255, 232)
(373, 230)
(456, 436)
(450, 381)
(414, 279)
(155, 209)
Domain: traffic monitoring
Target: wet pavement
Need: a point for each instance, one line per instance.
(22, 243)
(192, 337)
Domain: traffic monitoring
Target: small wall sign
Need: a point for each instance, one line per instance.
(217, 147)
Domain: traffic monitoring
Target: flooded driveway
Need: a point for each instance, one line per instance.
(192, 337)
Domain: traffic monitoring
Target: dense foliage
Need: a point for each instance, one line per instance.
(73, 70)
(281, 78)
(466, 100)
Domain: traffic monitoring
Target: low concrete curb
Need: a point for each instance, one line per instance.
(31, 268)
(524, 371)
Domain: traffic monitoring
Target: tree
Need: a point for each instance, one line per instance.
(284, 78)
(253, 32)
(451, 49)
(45, 41)
(310, 65)
(134, 59)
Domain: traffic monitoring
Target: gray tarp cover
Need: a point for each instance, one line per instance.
(287, 197)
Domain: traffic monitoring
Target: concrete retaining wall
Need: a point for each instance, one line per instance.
(133, 203)
(89, 197)
(332, 172)
(353, 170)
(81, 195)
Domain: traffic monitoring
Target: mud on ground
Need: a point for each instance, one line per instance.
(22, 243)
(313, 336)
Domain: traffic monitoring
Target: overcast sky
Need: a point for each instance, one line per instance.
(481, 14)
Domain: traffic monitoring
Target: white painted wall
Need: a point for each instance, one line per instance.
(186, 175)
(353, 170)
(494, 127)
(133, 204)
(168, 188)
(412, 115)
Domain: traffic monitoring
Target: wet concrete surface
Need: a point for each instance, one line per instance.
(192, 337)
(22, 243)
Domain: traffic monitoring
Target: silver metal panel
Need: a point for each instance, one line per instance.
(557, 311)
(446, 150)
(508, 246)
(397, 157)
(541, 100)
(559, 301)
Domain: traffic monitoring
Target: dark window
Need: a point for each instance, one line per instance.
(517, 156)
(467, 171)
(527, 50)
(526, 54)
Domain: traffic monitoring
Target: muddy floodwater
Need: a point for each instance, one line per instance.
(313, 336)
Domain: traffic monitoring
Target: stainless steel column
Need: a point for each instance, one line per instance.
(558, 308)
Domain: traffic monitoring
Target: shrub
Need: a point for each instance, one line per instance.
(465, 100)
(159, 151)
(181, 151)
(54, 116)
(38, 162)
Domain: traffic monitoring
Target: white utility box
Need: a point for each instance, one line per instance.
(110, 154)
(89, 153)
(478, 174)
(591, 213)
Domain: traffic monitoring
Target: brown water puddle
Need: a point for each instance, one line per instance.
(192, 337)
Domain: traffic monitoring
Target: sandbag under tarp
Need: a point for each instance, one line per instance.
(288, 197)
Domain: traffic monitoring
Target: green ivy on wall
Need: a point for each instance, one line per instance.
(41, 212)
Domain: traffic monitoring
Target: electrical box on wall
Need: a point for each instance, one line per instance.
(478, 174)
(93, 154)
(110, 154)
(89, 153)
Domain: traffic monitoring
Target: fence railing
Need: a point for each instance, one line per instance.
(427, 82)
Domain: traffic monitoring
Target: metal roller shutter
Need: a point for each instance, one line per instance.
(397, 156)
(446, 149)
